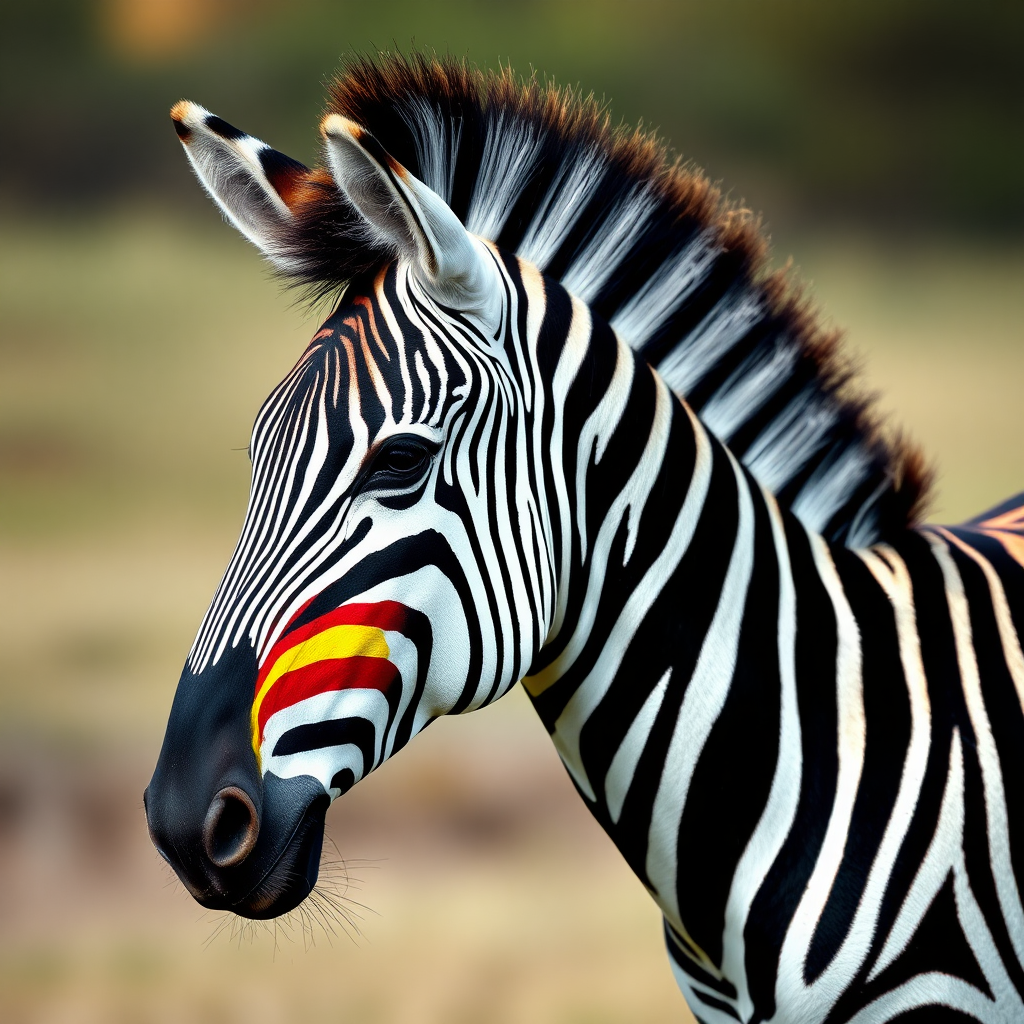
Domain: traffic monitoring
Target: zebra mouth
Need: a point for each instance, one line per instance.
(273, 876)
(293, 875)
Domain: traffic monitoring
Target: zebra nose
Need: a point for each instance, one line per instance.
(231, 827)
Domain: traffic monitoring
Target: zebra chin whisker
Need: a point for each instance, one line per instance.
(326, 910)
(239, 930)
(334, 884)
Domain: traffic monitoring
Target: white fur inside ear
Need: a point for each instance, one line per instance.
(453, 265)
(228, 165)
(367, 187)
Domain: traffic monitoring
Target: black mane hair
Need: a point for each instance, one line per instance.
(652, 246)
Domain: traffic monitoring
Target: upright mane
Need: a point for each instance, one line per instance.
(650, 245)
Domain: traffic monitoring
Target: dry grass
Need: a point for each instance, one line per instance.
(133, 356)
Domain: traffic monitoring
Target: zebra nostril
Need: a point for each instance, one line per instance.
(230, 828)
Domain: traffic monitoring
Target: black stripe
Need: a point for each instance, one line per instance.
(887, 716)
(331, 733)
(816, 648)
(220, 127)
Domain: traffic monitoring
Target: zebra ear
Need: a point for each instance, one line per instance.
(254, 185)
(450, 261)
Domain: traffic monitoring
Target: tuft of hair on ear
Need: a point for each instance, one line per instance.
(328, 244)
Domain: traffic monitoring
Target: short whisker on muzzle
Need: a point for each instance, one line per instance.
(328, 904)
(328, 909)
(238, 929)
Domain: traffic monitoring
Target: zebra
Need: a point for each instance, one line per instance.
(564, 426)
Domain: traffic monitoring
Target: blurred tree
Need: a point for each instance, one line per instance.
(906, 113)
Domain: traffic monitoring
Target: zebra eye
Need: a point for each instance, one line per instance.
(401, 461)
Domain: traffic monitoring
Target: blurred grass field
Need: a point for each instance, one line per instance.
(134, 352)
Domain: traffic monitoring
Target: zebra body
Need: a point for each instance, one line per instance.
(805, 747)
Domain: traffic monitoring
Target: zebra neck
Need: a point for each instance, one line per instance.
(640, 467)
(665, 611)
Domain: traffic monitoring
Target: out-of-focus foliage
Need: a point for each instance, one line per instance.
(901, 113)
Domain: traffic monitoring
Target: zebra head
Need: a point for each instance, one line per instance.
(394, 564)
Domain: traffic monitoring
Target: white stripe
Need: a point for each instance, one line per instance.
(894, 579)
(627, 757)
(792, 996)
(945, 855)
(705, 696)
(996, 816)
(574, 351)
(599, 429)
(647, 466)
(592, 690)
(1000, 606)
(784, 795)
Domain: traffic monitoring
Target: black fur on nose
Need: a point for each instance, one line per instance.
(238, 840)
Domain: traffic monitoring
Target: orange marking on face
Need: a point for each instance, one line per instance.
(365, 302)
(398, 168)
(353, 381)
(290, 185)
(379, 384)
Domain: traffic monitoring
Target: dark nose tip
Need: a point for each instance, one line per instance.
(230, 828)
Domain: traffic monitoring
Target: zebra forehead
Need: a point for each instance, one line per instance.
(372, 362)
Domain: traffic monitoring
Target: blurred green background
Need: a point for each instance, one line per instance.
(884, 143)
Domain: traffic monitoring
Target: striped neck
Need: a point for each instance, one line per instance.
(636, 468)
(657, 583)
